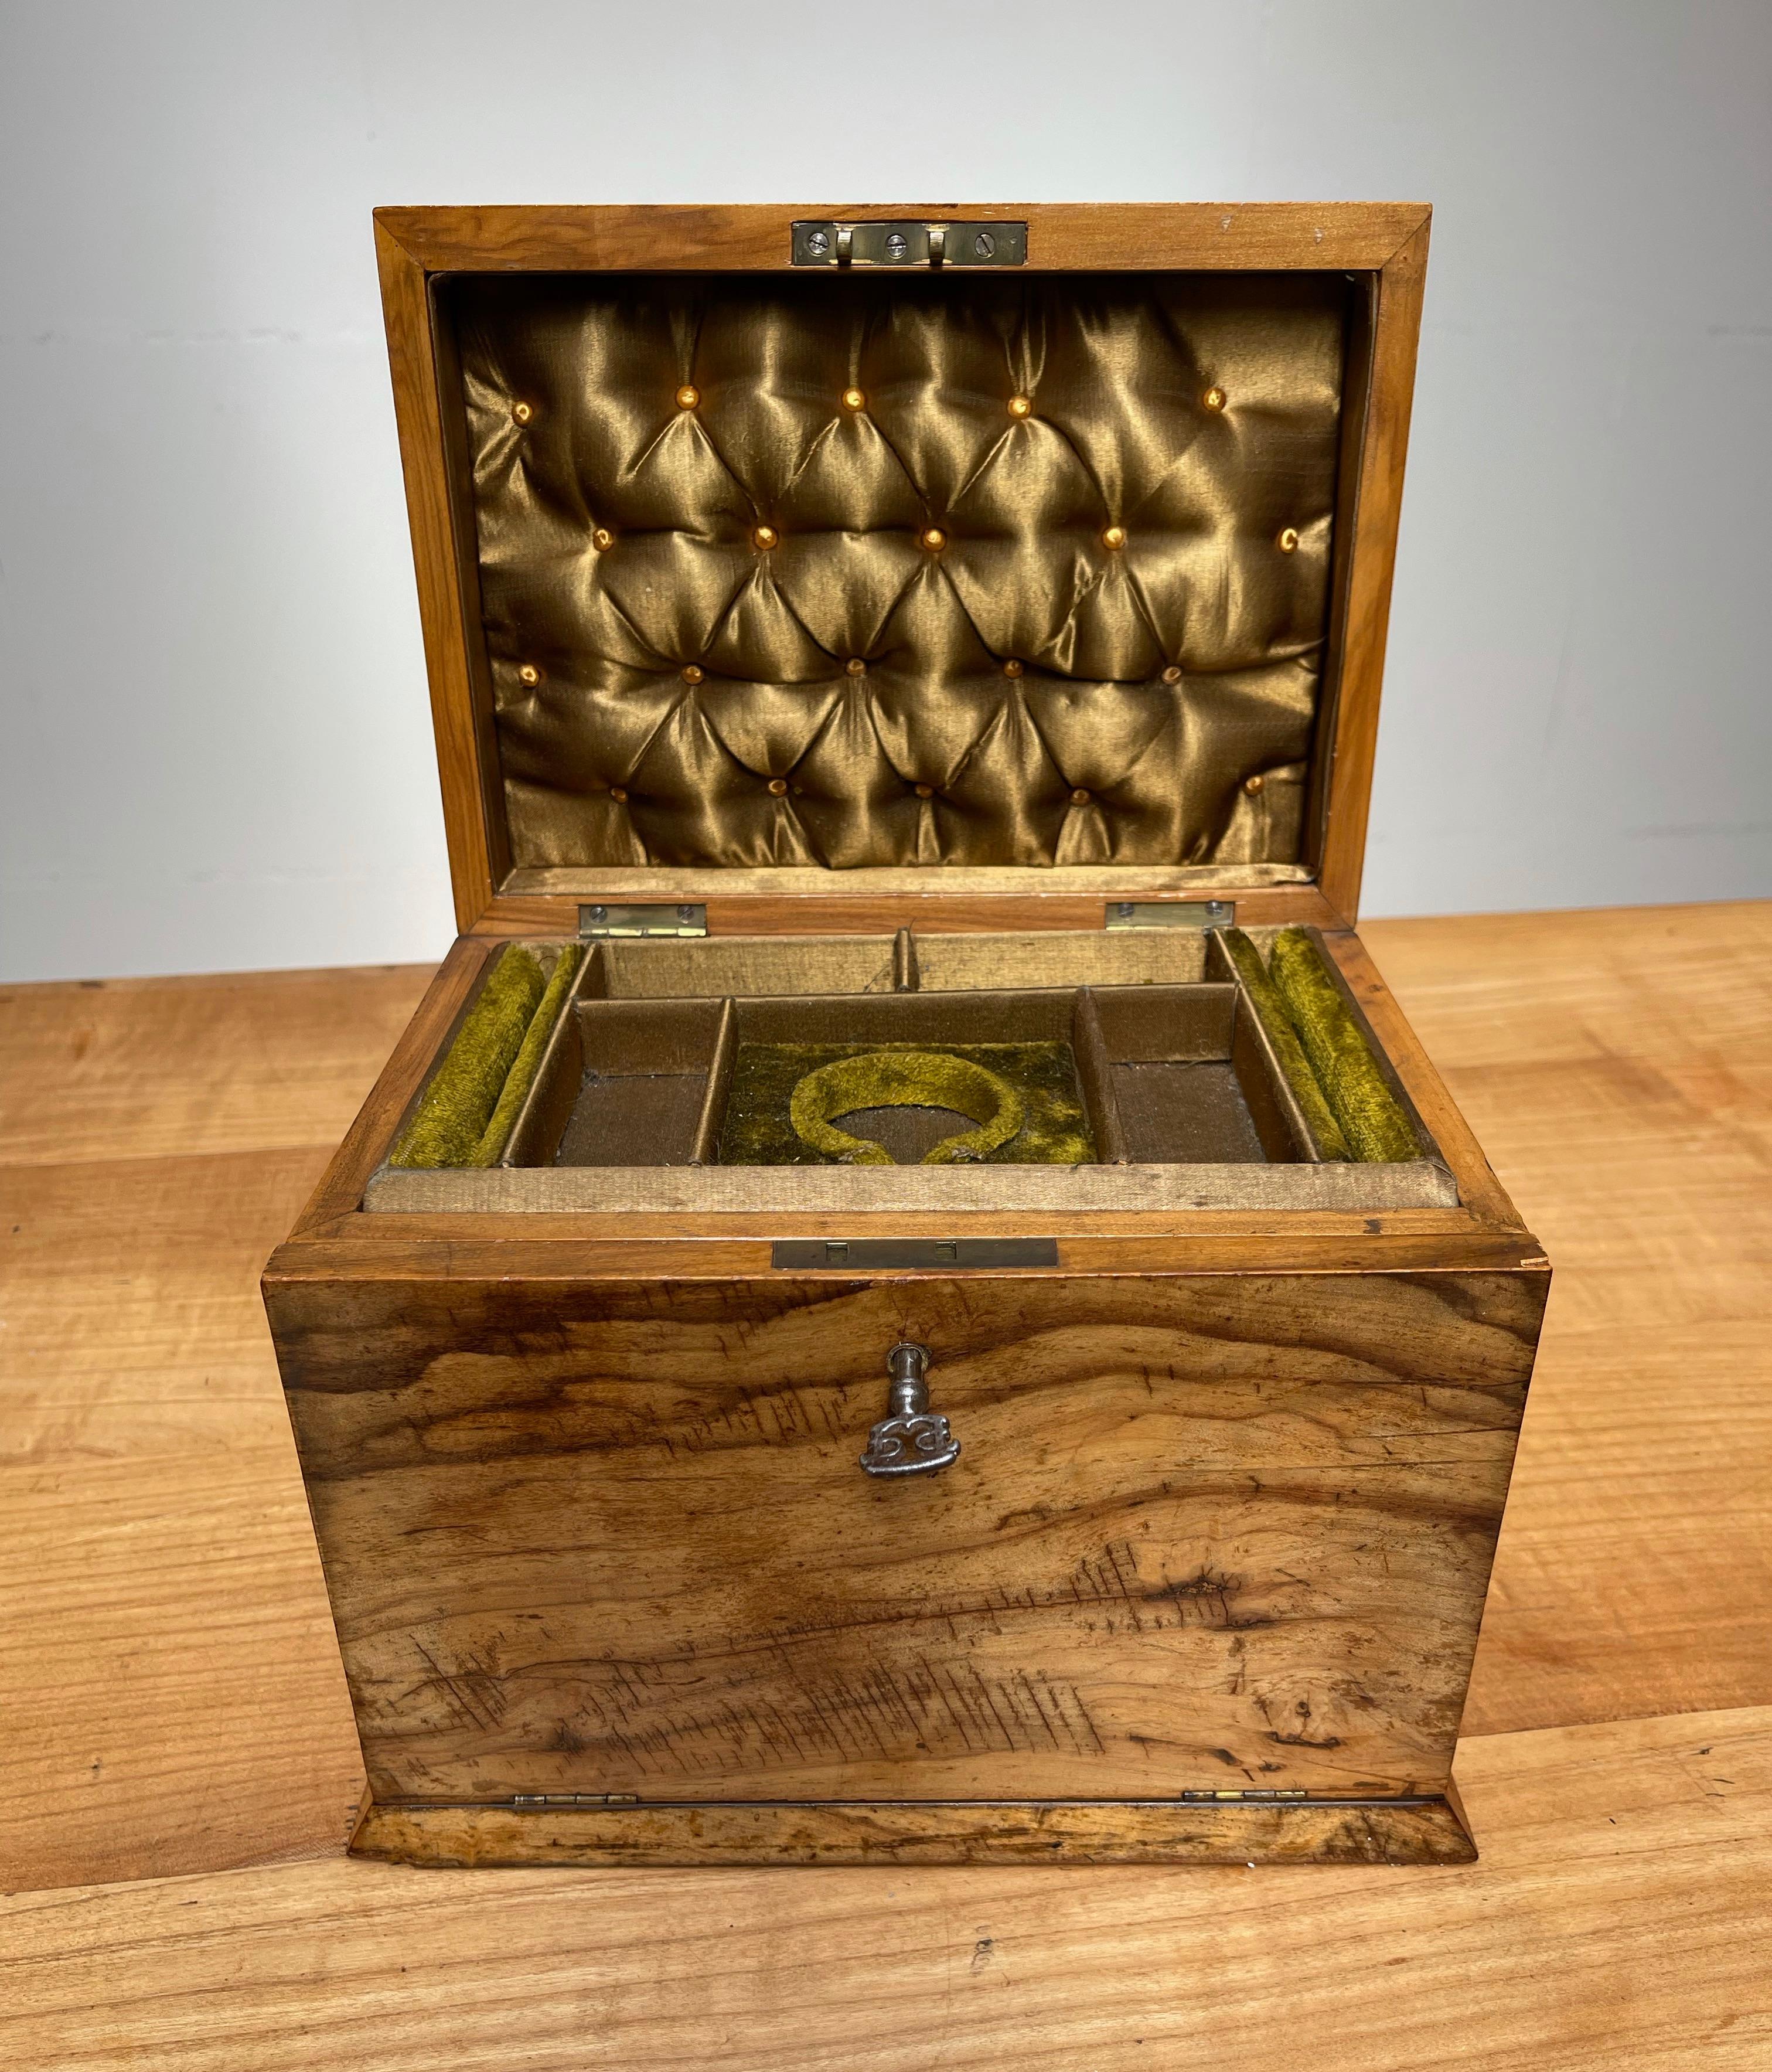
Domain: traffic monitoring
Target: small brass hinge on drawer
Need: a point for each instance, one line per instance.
(1170, 913)
(541, 1802)
(911, 242)
(687, 919)
(1239, 1798)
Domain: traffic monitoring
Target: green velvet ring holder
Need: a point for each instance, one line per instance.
(906, 1078)
(465, 1116)
(1371, 1117)
(761, 1127)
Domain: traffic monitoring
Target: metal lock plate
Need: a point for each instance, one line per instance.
(909, 242)
(891, 1254)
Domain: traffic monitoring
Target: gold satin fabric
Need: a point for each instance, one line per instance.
(933, 755)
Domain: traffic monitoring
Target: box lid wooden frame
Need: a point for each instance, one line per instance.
(1385, 243)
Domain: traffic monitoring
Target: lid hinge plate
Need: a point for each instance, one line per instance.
(595, 923)
(544, 1802)
(1170, 913)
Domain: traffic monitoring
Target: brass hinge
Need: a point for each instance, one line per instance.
(1238, 1798)
(1170, 913)
(597, 922)
(535, 1802)
(910, 242)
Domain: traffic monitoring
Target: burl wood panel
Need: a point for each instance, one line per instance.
(1424, 1830)
(1206, 1531)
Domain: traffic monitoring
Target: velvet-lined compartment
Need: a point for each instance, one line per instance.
(1187, 1104)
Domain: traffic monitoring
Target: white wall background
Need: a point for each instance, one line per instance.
(216, 749)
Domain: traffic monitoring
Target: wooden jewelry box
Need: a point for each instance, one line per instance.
(908, 1294)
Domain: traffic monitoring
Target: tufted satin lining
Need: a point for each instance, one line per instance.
(866, 572)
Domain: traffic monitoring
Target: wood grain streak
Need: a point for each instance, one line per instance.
(612, 1537)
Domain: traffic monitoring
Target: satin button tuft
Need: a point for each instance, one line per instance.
(1021, 406)
(1012, 667)
(692, 673)
(1114, 538)
(602, 539)
(925, 791)
(934, 538)
(1288, 542)
(529, 674)
(522, 412)
(855, 666)
(1255, 785)
(1080, 797)
(764, 537)
(1213, 399)
(854, 400)
(778, 788)
(1172, 674)
(618, 795)
(688, 396)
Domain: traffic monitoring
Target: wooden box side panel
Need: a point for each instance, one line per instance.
(1204, 1532)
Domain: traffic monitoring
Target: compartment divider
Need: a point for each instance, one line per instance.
(1089, 1047)
(705, 1151)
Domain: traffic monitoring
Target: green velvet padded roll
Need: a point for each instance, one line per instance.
(522, 1075)
(1373, 1122)
(1327, 1138)
(452, 1118)
(906, 1078)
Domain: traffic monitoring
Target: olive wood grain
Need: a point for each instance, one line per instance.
(1202, 1531)
(754, 237)
(1001, 1833)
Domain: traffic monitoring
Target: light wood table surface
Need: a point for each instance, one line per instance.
(178, 1764)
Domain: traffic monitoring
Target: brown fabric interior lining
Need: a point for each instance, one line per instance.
(1189, 1107)
(1167, 1073)
(676, 687)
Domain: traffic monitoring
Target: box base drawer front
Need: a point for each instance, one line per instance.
(1419, 1831)
(1203, 1532)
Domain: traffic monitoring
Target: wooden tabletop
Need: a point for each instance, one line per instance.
(180, 1770)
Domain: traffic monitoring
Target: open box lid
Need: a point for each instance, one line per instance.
(763, 562)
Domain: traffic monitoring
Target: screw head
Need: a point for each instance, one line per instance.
(819, 243)
(984, 244)
(895, 246)
(600, 913)
(686, 913)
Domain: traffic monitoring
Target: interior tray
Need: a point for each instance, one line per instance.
(1185, 1105)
